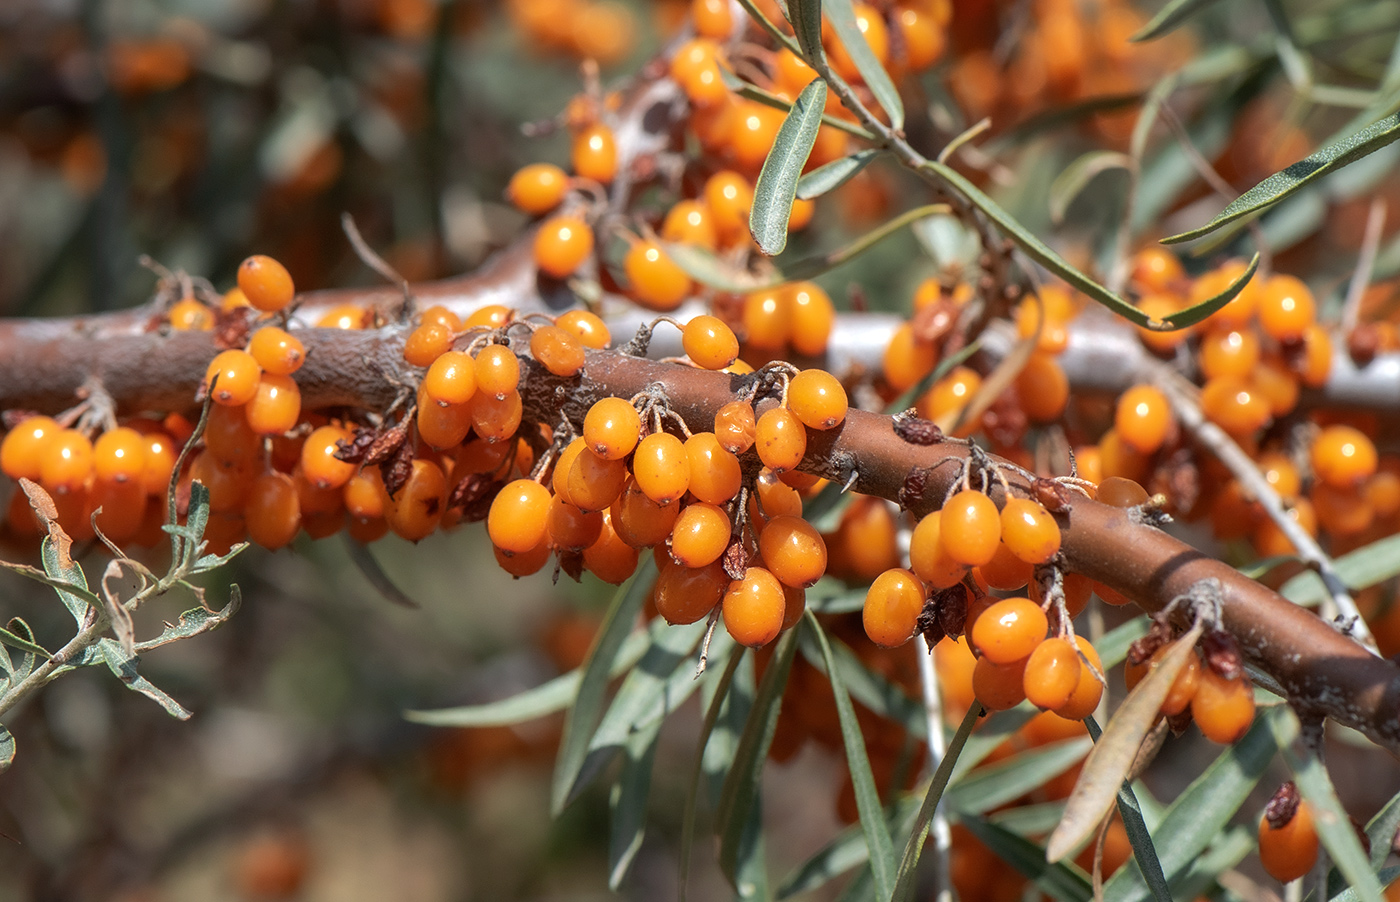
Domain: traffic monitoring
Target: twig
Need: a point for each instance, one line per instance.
(1339, 604)
(375, 262)
(937, 748)
(1365, 265)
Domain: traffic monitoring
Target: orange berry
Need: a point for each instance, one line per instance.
(700, 534)
(1228, 352)
(893, 604)
(1222, 708)
(1312, 360)
(793, 550)
(1029, 531)
(557, 350)
(1006, 571)
(999, 686)
(344, 316)
(427, 343)
(1086, 695)
(712, 18)
(715, 476)
(683, 595)
(767, 320)
(735, 426)
(442, 426)
(640, 521)
(237, 377)
(272, 512)
(67, 461)
(450, 321)
(818, 399)
(277, 351)
(265, 283)
(611, 428)
(1235, 406)
(562, 243)
(771, 498)
(781, 439)
(518, 518)
(1289, 851)
(365, 496)
(1343, 456)
(451, 379)
(189, 315)
(1009, 630)
(523, 563)
(813, 317)
(657, 283)
(1235, 314)
(276, 407)
(1156, 269)
(1159, 307)
(609, 557)
(754, 608)
(923, 37)
(690, 222)
(559, 480)
(229, 438)
(1052, 673)
(927, 557)
(595, 482)
(755, 129)
(1285, 308)
(1143, 418)
(496, 419)
(21, 453)
(594, 153)
(160, 463)
(970, 528)
(709, 342)
(318, 461)
(1119, 492)
(906, 359)
(1043, 388)
(415, 512)
(588, 327)
(947, 398)
(661, 468)
(570, 528)
(497, 371)
(729, 196)
(537, 188)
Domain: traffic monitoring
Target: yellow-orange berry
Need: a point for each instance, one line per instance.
(587, 327)
(1029, 532)
(754, 608)
(497, 371)
(265, 283)
(928, 559)
(656, 281)
(735, 426)
(21, 453)
(813, 317)
(427, 343)
(119, 455)
(709, 342)
(700, 534)
(417, 509)
(1009, 630)
(67, 461)
(562, 243)
(611, 428)
(780, 439)
(237, 377)
(537, 188)
(272, 511)
(275, 407)
(893, 604)
(557, 350)
(715, 476)
(451, 379)
(1052, 673)
(1343, 456)
(189, 315)
(662, 467)
(1285, 308)
(818, 399)
(1289, 851)
(793, 550)
(594, 153)
(318, 461)
(277, 351)
(519, 516)
(971, 528)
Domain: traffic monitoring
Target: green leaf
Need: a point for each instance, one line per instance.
(369, 567)
(546, 698)
(20, 629)
(1077, 175)
(23, 644)
(1030, 820)
(215, 561)
(1184, 319)
(904, 880)
(1113, 647)
(1359, 569)
(196, 520)
(767, 98)
(740, 792)
(842, 16)
(846, 851)
(1112, 758)
(1169, 17)
(583, 713)
(1200, 813)
(997, 728)
(834, 174)
(7, 749)
(69, 582)
(1224, 854)
(1352, 894)
(1306, 171)
(776, 187)
(123, 665)
(195, 621)
(712, 712)
(868, 687)
(1381, 830)
(627, 804)
(1063, 882)
(78, 589)
(1144, 852)
(1033, 246)
(872, 819)
(806, 19)
(989, 787)
(1333, 825)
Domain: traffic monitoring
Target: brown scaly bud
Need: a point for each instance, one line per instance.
(951, 604)
(928, 626)
(1222, 654)
(1363, 343)
(912, 491)
(396, 470)
(1052, 495)
(571, 563)
(915, 430)
(231, 327)
(1283, 806)
(353, 451)
(474, 495)
(389, 443)
(736, 558)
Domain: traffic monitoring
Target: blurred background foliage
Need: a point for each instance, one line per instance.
(199, 131)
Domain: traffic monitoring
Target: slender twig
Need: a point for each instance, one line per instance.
(937, 747)
(1365, 265)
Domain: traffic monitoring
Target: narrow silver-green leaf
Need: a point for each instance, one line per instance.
(1333, 825)
(1062, 882)
(872, 818)
(1302, 173)
(23, 644)
(545, 698)
(846, 851)
(1077, 175)
(70, 575)
(904, 880)
(834, 174)
(1144, 851)
(842, 16)
(1030, 820)
(868, 687)
(60, 583)
(776, 187)
(692, 793)
(7, 749)
(1109, 764)
(1359, 569)
(811, 267)
(1381, 830)
(1169, 17)
(195, 621)
(740, 792)
(986, 788)
(1113, 647)
(806, 19)
(124, 666)
(583, 713)
(18, 627)
(992, 733)
(1199, 813)
(1033, 247)
(1184, 319)
(1386, 877)
(628, 803)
